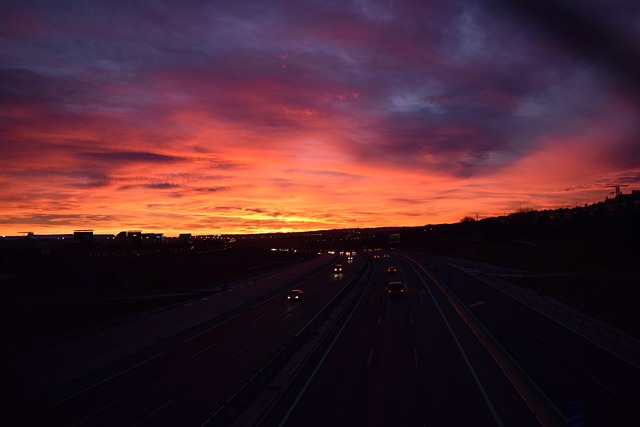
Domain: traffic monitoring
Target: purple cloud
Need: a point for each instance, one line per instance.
(315, 98)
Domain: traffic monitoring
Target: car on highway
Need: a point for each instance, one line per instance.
(295, 295)
(392, 270)
(395, 289)
(337, 268)
(376, 256)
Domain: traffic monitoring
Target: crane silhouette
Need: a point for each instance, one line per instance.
(617, 191)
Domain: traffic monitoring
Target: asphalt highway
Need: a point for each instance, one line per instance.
(581, 375)
(408, 361)
(454, 350)
(413, 361)
(178, 379)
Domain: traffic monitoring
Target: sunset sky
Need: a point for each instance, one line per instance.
(256, 116)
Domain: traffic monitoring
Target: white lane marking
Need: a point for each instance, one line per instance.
(244, 348)
(410, 320)
(540, 338)
(371, 301)
(415, 356)
(472, 371)
(203, 350)
(153, 413)
(93, 414)
(506, 313)
(603, 385)
(257, 318)
(267, 300)
(102, 382)
(310, 378)
(286, 317)
(317, 314)
(379, 320)
(421, 300)
(369, 359)
(211, 328)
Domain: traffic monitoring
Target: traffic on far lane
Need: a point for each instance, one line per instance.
(395, 289)
(295, 295)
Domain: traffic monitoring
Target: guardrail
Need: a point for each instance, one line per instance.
(230, 408)
(568, 312)
(546, 413)
(316, 354)
(500, 282)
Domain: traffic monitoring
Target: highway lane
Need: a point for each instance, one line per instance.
(578, 375)
(178, 381)
(408, 361)
(52, 363)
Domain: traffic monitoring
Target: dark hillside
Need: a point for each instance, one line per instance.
(586, 257)
(603, 235)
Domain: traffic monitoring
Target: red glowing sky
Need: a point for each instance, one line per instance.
(240, 117)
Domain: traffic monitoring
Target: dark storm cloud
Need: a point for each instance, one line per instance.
(309, 101)
(68, 220)
(161, 186)
(211, 189)
(95, 181)
(131, 157)
(587, 31)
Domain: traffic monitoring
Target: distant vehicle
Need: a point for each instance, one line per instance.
(338, 268)
(295, 295)
(392, 270)
(395, 289)
(349, 258)
(376, 256)
(386, 255)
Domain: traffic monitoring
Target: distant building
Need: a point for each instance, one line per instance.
(130, 234)
(83, 235)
